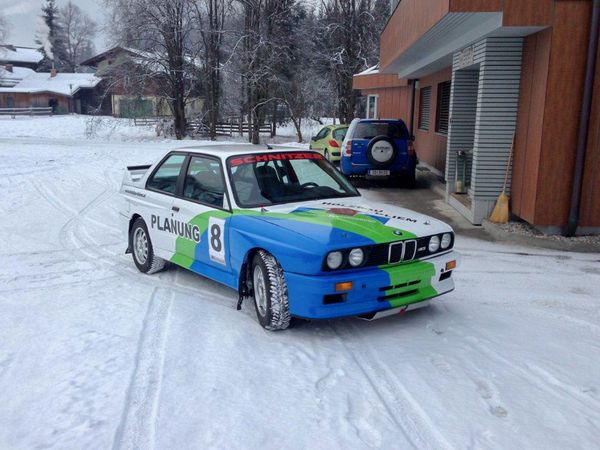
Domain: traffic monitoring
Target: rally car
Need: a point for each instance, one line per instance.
(287, 229)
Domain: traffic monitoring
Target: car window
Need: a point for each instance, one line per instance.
(339, 134)
(204, 181)
(266, 179)
(368, 130)
(165, 178)
(322, 133)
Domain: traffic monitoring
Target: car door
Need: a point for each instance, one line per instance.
(161, 188)
(203, 207)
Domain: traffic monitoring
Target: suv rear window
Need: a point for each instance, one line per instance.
(368, 130)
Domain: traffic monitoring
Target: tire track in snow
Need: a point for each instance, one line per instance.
(137, 428)
(537, 377)
(102, 257)
(401, 406)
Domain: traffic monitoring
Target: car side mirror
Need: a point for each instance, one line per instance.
(411, 137)
(314, 138)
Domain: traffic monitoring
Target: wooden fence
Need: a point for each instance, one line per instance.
(32, 111)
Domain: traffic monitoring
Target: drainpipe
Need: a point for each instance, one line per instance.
(412, 106)
(586, 106)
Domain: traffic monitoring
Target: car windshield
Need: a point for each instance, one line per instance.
(285, 177)
(368, 130)
(340, 133)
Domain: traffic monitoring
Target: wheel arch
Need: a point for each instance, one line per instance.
(244, 276)
(132, 220)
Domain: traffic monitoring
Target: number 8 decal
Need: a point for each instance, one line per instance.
(216, 240)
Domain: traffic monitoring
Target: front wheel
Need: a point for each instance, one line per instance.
(270, 294)
(141, 248)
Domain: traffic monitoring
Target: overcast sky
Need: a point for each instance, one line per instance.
(23, 17)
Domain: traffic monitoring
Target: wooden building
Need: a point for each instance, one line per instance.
(475, 73)
(64, 92)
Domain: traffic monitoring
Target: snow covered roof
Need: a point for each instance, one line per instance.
(63, 83)
(369, 71)
(14, 54)
(9, 78)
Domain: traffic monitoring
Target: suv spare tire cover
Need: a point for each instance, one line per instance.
(381, 151)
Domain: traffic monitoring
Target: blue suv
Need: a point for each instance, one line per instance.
(379, 150)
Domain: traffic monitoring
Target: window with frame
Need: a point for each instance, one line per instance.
(443, 107)
(204, 181)
(372, 101)
(165, 177)
(322, 133)
(424, 108)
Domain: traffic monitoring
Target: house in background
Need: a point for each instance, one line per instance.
(468, 75)
(20, 56)
(129, 88)
(64, 92)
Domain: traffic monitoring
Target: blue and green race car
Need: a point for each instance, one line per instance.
(286, 228)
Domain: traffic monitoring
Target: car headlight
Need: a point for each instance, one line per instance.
(446, 241)
(434, 244)
(334, 260)
(356, 257)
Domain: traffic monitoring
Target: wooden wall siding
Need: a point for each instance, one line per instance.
(530, 122)
(477, 5)
(590, 200)
(463, 109)
(410, 20)
(566, 72)
(528, 12)
(377, 80)
(431, 145)
(393, 103)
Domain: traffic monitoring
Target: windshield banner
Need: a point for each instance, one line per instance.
(266, 157)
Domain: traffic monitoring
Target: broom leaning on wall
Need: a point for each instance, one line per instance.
(500, 212)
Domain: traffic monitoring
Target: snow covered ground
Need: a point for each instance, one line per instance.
(95, 355)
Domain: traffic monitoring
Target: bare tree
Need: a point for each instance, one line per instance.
(164, 29)
(79, 31)
(211, 16)
(348, 37)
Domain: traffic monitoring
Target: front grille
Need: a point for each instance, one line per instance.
(385, 298)
(393, 252)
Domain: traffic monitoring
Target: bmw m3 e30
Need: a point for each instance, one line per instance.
(287, 229)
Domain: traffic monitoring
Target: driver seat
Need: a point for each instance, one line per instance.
(269, 183)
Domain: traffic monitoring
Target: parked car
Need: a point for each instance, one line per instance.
(329, 140)
(287, 229)
(379, 149)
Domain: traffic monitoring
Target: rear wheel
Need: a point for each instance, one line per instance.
(141, 248)
(269, 290)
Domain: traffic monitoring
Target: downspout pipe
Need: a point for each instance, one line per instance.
(584, 122)
(412, 106)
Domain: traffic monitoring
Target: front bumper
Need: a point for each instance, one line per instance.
(373, 289)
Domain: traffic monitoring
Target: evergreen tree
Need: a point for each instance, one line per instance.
(51, 39)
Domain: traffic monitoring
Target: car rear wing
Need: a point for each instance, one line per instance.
(135, 173)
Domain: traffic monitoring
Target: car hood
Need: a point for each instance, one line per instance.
(352, 221)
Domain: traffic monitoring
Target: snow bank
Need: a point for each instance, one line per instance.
(74, 126)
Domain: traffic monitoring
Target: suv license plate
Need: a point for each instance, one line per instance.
(379, 173)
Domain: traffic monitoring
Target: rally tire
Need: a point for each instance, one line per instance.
(270, 293)
(150, 263)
